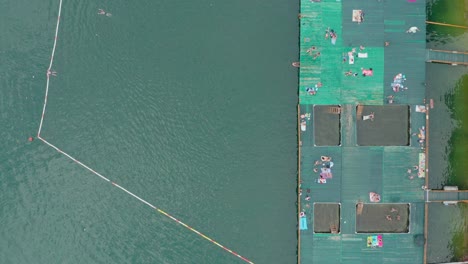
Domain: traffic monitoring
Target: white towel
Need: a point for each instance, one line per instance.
(362, 55)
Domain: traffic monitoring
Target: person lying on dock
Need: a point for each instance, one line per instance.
(393, 210)
(350, 73)
(333, 36)
(412, 30)
(309, 50)
(367, 72)
(368, 117)
(361, 16)
(327, 33)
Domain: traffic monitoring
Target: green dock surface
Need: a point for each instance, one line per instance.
(358, 170)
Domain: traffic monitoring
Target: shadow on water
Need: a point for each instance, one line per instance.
(447, 86)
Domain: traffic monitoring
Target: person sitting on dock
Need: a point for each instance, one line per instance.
(390, 99)
(374, 197)
(327, 33)
(422, 135)
(311, 91)
(388, 217)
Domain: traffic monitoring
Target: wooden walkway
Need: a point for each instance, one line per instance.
(451, 57)
(440, 196)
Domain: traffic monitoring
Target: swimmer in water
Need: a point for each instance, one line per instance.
(53, 73)
(108, 14)
(101, 12)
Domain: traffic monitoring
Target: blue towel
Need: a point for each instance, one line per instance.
(303, 223)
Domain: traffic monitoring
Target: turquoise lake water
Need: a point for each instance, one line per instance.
(191, 106)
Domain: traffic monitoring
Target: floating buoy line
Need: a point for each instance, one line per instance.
(50, 73)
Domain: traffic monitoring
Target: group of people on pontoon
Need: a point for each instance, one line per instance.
(397, 84)
(304, 117)
(325, 163)
(397, 216)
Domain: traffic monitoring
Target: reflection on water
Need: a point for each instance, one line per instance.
(447, 86)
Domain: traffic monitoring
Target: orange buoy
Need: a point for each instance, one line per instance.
(30, 139)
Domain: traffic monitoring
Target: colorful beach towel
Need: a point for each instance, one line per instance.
(303, 223)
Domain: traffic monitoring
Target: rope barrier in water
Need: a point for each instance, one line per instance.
(49, 73)
(445, 24)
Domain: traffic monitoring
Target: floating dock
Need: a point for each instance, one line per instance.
(362, 134)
